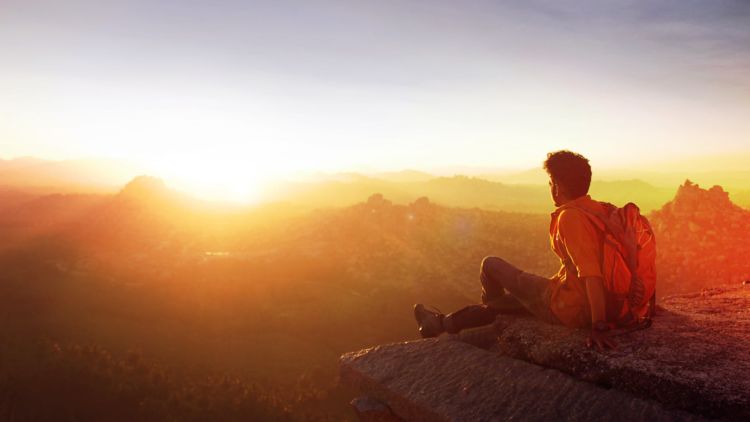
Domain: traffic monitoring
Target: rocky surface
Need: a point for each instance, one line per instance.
(370, 409)
(695, 358)
(449, 380)
(702, 240)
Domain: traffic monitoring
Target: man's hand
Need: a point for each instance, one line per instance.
(599, 336)
(601, 339)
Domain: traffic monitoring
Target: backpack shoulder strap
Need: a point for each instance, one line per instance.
(598, 219)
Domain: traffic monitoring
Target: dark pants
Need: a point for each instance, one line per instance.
(505, 290)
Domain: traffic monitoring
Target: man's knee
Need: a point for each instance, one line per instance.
(489, 263)
(498, 267)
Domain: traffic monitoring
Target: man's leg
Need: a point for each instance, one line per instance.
(479, 315)
(494, 274)
(533, 292)
(495, 300)
(528, 294)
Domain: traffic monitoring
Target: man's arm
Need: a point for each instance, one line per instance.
(595, 292)
(581, 241)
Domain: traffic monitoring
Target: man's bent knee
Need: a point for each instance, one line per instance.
(492, 286)
(494, 263)
(498, 268)
(489, 262)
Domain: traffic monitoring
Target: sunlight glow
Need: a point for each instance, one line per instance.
(226, 179)
(216, 149)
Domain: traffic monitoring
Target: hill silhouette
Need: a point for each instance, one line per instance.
(66, 176)
(120, 275)
(456, 191)
(274, 295)
(146, 188)
(464, 191)
(515, 191)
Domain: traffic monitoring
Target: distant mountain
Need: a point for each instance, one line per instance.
(730, 180)
(152, 192)
(645, 195)
(650, 187)
(393, 176)
(456, 191)
(25, 217)
(404, 176)
(68, 176)
(535, 176)
(319, 177)
(146, 187)
(507, 190)
(726, 162)
(20, 162)
(463, 191)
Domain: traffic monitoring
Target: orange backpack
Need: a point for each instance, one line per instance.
(628, 261)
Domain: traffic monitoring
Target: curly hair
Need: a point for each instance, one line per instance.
(570, 170)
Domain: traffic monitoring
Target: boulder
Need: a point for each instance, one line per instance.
(692, 363)
(370, 409)
(695, 356)
(701, 239)
(448, 380)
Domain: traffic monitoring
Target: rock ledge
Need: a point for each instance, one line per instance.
(693, 363)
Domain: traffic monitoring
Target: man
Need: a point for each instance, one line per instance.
(574, 297)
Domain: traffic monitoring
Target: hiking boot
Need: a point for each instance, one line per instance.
(430, 321)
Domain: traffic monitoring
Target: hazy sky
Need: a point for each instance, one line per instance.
(248, 88)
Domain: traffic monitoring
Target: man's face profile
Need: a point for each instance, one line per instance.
(554, 192)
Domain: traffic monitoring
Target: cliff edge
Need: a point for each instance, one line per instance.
(692, 364)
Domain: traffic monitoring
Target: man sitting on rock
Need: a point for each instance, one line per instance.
(574, 297)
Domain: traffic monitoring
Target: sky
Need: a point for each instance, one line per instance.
(248, 90)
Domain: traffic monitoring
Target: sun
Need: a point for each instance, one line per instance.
(245, 190)
(224, 180)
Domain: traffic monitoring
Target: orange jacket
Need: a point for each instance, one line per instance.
(577, 243)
